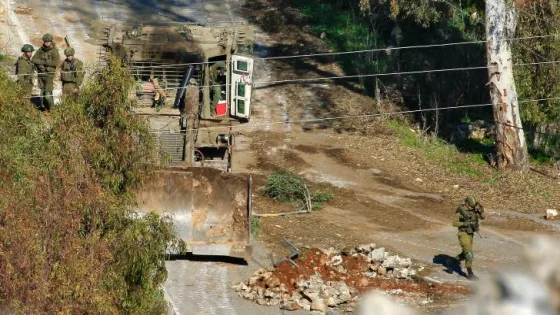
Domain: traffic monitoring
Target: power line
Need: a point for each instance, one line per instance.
(372, 75)
(328, 54)
(360, 116)
(401, 48)
(266, 83)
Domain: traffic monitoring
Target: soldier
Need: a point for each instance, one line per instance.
(217, 75)
(71, 73)
(24, 69)
(46, 59)
(466, 220)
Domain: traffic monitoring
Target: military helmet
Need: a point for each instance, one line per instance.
(27, 48)
(69, 51)
(47, 38)
(470, 201)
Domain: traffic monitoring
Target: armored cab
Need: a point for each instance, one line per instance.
(193, 81)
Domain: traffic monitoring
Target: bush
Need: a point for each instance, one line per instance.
(285, 186)
(68, 240)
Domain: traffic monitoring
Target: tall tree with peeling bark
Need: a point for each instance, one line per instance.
(501, 20)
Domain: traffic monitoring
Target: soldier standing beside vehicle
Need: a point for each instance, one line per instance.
(466, 219)
(24, 69)
(46, 59)
(71, 73)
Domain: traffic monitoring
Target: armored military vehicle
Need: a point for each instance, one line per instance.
(193, 82)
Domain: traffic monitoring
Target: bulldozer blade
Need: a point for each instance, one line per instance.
(209, 208)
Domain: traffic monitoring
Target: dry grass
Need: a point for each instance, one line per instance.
(442, 169)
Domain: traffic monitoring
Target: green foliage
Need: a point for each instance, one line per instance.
(285, 186)
(435, 149)
(367, 24)
(68, 240)
(255, 226)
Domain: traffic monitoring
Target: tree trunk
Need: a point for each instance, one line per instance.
(501, 20)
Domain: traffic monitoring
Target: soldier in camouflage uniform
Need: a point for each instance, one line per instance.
(46, 60)
(71, 72)
(24, 69)
(466, 220)
(217, 72)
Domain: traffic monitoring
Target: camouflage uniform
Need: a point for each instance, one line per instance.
(71, 73)
(46, 59)
(24, 70)
(466, 220)
(216, 87)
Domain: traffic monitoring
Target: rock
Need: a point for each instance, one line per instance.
(419, 180)
(265, 276)
(373, 267)
(348, 251)
(291, 306)
(259, 291)
(296, 296)
(261, 301)
(331, 251)
(273, 302)
(319, 305)
(401, 273)
(331, 302)
(344, 295)
(364, 282)
(455, 186)
(253, 280)
(341, 269)
(273, 282)
(336, 260)
(248, 295)
(311, 295)
(269, 293)
(551, 214)
(371, 274)
(411, 272)
(382, 271)
(366, 248)
(375, 170)
(328, 291)
(305, 304)
(396, 262)
(377, 254)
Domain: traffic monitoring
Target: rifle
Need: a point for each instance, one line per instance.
(67, 41)
(472, 218)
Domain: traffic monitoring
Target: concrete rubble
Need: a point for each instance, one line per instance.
(551, 214)
(325, 278)
(532, 290)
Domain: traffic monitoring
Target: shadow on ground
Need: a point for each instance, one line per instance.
(451, 264)
(205, 258)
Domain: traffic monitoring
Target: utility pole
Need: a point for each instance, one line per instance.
(501, 20)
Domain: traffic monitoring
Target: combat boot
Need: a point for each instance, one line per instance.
(471, 275)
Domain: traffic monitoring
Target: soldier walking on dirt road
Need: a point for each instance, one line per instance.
(46, 60)
(466, 220)
(24, 69)
(71, 73)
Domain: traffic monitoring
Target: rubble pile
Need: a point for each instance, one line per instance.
(326, 278)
